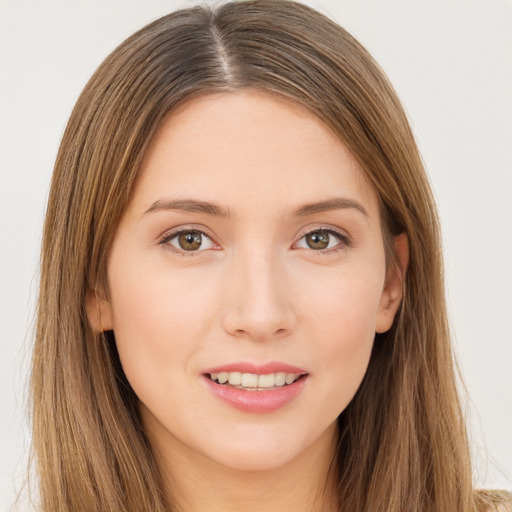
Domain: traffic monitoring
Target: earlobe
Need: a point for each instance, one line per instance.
(99, 311)
(393, 289)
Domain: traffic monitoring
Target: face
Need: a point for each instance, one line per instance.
(252, 252)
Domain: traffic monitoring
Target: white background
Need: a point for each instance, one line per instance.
(451, 63)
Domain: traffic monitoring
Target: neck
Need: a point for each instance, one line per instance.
(194, 483)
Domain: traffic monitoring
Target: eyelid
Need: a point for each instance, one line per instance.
(344, 239)
(169, 234)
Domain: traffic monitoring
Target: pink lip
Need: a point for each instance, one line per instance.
(259, 369)
(257, 401)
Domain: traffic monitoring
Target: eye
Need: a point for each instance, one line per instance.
(190, 240)
(323, 240)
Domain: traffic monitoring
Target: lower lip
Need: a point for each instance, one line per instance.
(257, 401)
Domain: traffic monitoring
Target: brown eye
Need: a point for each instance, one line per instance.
(317, 240)
(189, 240)
(324, 239)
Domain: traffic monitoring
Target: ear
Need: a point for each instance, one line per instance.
(393, 288)
(99, 311)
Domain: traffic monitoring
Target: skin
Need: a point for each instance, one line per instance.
(254, 291)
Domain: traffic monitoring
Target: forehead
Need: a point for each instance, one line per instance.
(245, 148)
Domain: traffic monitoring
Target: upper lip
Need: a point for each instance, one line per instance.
(258, 369)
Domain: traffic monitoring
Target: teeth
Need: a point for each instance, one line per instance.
(249, 380)
(254, 381)
(280, 379)
(290, 377)
(235, 378)
(267, 381)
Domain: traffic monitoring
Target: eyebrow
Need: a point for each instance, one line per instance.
(335, 203)
(189, 205)
(209, 208)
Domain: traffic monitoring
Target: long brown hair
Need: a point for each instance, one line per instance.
(402, 444)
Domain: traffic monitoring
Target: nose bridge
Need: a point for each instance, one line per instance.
(260, 304)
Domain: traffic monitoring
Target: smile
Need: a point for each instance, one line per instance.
(253, 381)
(256, 388)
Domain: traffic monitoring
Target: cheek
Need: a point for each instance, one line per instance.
(157, 323)
(345, 302)
(341, 319)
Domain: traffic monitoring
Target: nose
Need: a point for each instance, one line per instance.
(260, 304)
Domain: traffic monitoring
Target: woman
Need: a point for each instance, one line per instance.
(241, 300)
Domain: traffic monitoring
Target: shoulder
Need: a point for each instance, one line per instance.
(493, 501)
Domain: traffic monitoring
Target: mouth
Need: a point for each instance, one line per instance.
(254, 381)
(256, 388)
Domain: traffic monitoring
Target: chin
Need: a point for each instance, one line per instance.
(249, 459)
(269, 451)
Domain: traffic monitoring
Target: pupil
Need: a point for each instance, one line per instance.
(190, 241)
(318, 240)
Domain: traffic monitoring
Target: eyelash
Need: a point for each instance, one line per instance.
(344, 241)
